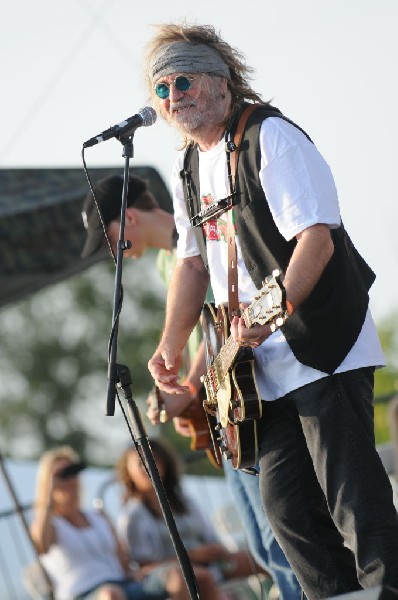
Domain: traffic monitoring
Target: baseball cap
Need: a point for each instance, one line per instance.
(108, 193)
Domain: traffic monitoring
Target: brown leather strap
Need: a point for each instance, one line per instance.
(233, 297)
(238, 136)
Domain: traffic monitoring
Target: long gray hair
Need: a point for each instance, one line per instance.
(240, 72)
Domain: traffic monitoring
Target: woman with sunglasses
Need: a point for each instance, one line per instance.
(79, 548)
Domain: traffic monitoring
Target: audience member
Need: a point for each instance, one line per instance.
(144, 533)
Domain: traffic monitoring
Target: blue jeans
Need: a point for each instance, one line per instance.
(260, 539)
(133, 590)
(326, 493)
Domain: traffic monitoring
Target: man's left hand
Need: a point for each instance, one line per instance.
(251, 338)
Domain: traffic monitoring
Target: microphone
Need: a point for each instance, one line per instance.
(144, 118)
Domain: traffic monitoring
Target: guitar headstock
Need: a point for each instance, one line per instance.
(268, 304)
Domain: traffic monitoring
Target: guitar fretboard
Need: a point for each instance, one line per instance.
(225, 359)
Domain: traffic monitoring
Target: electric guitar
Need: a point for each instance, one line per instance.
(232, 396)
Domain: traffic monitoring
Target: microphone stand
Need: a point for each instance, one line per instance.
(119, 377)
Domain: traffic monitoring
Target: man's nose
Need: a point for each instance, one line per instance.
(174, 93)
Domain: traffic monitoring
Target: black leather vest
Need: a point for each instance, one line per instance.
(323, 329)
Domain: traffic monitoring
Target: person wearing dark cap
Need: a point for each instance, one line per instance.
(146, 226)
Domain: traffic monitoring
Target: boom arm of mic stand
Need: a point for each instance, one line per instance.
(141, 439)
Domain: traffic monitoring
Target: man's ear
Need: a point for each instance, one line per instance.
(224, 86)
(131, 216)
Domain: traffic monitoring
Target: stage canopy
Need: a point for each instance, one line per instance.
(41, 229)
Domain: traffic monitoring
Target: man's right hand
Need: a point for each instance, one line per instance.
(164, 367)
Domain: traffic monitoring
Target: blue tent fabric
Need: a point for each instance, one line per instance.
(41, 229)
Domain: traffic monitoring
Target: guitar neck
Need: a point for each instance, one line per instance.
(231, 348)
(226, 357)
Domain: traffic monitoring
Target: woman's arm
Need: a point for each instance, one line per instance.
(42, 529)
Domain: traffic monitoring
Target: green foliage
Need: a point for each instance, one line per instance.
(54, 351)
(386, 379)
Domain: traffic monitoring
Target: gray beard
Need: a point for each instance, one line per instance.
(198, 120)
(190, 125)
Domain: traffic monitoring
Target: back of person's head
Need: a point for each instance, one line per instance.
(161, 58)
(171, 479)
(108, 193)
(45, 469)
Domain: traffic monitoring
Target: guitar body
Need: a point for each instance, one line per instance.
(201, 428)
(245, 395)
(237, 400)
(195, 414)
(240, 441)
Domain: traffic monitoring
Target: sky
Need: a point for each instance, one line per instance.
(72, 68)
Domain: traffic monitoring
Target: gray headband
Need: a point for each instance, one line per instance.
(182, 57)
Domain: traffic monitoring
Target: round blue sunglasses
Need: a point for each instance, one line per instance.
(183, 83)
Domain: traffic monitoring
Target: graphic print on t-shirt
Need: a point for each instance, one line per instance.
(214, 230)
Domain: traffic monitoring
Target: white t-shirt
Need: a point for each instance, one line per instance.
(300, 191)
(82, 558)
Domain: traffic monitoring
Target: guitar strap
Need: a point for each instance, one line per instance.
(233, 149)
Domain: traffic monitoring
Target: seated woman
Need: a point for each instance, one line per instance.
(144, 533)
(79, 549)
